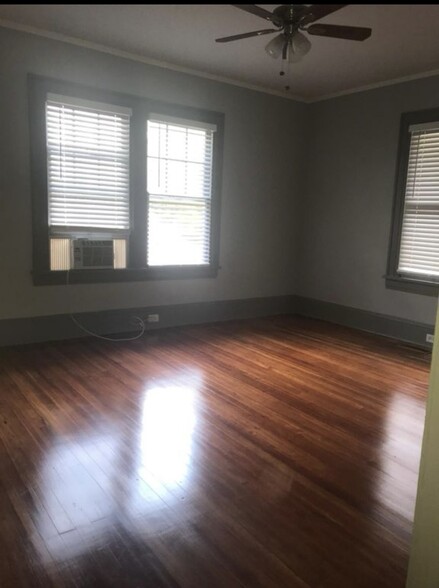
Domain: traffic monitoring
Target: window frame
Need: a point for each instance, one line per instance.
(136, 270)
(394, 280)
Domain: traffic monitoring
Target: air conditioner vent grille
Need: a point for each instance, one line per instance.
(88, 253)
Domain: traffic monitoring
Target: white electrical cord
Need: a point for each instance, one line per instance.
(78, 324)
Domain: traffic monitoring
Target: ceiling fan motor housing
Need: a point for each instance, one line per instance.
(288, 15)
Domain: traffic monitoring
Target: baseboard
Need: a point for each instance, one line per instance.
(20, 331)
(364, 320)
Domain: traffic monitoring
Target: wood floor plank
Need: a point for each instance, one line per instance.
(279, 452)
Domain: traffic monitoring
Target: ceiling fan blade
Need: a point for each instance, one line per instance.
(318, 11)
(255, 10)
(339, 32)
(245, 35)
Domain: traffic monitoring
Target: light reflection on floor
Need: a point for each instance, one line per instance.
(80, 495)
(400, 454)
(168, 423)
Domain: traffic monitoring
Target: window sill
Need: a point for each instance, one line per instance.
(95, 276)
(412, 285)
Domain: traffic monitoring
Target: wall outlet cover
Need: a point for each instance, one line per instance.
(429, 338)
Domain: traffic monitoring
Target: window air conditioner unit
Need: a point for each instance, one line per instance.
(93, 254)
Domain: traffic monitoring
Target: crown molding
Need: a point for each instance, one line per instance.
(202, 74)
(143, 59)
(374, 86)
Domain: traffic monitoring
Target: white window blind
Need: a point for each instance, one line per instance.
(87, 166)
(179, 185)
(419, 249)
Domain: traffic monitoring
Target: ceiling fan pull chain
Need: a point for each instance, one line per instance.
(286, 70)
(284, 58)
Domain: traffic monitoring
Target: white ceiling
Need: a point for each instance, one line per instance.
(404, 42)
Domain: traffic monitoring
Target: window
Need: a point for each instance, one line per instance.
(179, 191)
(414, 249)
(124, 188)
(87, 179)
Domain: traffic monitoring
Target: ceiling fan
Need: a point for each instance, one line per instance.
(290, 20)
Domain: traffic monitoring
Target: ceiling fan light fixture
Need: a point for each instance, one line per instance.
(292, 56)
(275, 46)
(300, 45)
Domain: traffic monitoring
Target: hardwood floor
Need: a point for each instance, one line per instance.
(270, 453)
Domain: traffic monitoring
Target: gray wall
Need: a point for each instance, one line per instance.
(345, 211)
(260, 181)
(307, 189)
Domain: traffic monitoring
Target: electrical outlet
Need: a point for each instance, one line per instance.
(153, 318)
(429, 338)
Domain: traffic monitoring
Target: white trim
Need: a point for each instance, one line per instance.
(182, 122)
(8, 24)
(374, 86)
(89, 104)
